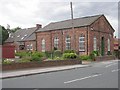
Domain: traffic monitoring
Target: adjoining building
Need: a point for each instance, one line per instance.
(84, 35)
(23, 39)
(117, 47)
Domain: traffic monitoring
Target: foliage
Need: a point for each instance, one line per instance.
(93, 54)
(22, 54)
(48, 54)
(109, 53)
(7, 62)
(58, 58)
(24, 60)
(36, 56)
(57, 53)
(69, 55)
(69, 51)
(14, 29)
(3, 35)
(85, 57)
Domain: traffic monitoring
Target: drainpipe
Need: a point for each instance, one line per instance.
(87, 38)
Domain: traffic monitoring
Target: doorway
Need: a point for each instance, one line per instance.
(102, 46)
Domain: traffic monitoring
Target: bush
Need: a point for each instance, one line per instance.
(69, 55)
(85, 57)
(48, 54)
(36, 56)
(7, 62)
(69, 51)
(58, 58)
(57, 53)
(22, 54)
(94, 54)
(24, 60)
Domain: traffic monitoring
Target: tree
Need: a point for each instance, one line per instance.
(14, 29)
(3, 35)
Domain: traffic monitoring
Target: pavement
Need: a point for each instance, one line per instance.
(33, 71)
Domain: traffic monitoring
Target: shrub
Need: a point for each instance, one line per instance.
(36, 56)
(109, 53)
(93, 54)
(7, 62)
(22, 54)
(58, 58)
(24, 60)
(69, 51)
(84, 57)
(48, 54)
(57, 53)
(69, 55)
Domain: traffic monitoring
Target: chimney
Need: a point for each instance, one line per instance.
(38, 26)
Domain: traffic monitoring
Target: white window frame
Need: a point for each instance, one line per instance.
(31, 47)
(43, 45)
(56, 42)
(68, 42)
(108, 44)
(94, 43)
(28, 47)
(82, 43)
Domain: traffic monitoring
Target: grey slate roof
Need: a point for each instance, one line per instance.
(22, 35)
(78, 22)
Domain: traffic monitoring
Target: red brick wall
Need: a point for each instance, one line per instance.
(50, 35)
(101, 29)
(29, 43)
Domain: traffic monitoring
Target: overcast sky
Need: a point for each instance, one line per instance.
(27, 13)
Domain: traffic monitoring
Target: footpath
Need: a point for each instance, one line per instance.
(33, 71)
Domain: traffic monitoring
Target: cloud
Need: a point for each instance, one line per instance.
(27, 13)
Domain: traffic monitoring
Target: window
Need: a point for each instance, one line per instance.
(108, 44)
(68, 44)
(43, 45)
(28, 47)
(94, 44)
(82, 43)
(56, 42)
(31, 47)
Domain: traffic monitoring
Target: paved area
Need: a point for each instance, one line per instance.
(11, 74)
(98, 75)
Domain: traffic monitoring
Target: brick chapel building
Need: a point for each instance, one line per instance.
(83, 35)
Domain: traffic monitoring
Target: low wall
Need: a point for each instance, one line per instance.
(15, 66)
(103, 58)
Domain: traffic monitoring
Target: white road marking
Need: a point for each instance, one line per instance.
(82, 78)
(115, 70)
(110, 65)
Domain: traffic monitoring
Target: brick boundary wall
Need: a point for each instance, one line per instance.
(16, 66)
(103, 58)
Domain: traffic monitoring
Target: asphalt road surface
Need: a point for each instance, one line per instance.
(99, 75)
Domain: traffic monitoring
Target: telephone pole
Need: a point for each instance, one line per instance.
(74, 37)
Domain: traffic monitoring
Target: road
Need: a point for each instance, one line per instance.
(99, 75)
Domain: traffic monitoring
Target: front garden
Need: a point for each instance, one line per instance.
(47, 59)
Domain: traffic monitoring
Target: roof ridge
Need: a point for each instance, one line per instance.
(78, 18)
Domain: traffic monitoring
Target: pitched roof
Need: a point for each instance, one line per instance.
(78, 22)
(22, 34)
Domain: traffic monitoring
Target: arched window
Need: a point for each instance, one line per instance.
(68, 43)
(82, 42)
(108, 44)
(94, 43)
(56, 42)
(43, 45)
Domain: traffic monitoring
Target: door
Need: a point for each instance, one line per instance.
(102, 46)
